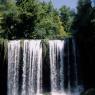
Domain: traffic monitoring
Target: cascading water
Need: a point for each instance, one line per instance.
(57, 65)
(25, 67)
(13, 66)
(75, 62)
(72, 68)
(68, 74)
(77, 87)
(31, 68)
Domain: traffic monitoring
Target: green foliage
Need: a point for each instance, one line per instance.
(3, 50)
(49, 23)
(82, 22)
(84, 27)
(2, 8)
(83, 4)
(67, 17)
(31, 19)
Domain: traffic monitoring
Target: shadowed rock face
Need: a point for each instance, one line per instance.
(3, 69)
(89, 92)
(87, 60)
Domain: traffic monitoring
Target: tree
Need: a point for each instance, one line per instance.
(32, 19)
(20, 19)
(67, 17)
(84, 27)
(83, 17)
(2, 11)
(49, 25)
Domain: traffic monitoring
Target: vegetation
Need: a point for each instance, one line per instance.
(32, 19)
(84, 31)
(67, 17)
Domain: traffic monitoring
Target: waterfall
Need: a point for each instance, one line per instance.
(57, 65)
(25, 68)
(32, 68)
(75, 62)
(13, 65)
(68, 62)
(77, 87)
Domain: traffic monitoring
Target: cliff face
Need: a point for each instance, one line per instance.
(3, 68)
(87, 60)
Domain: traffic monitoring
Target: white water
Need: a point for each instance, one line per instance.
(31, 83)
(56, 65)
(13, 65)
(32, 67)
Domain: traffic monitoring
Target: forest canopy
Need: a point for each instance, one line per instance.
(34, 19)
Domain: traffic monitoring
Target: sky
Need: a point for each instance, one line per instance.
(70, 3)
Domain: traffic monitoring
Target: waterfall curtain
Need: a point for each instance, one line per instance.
(26, 68)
